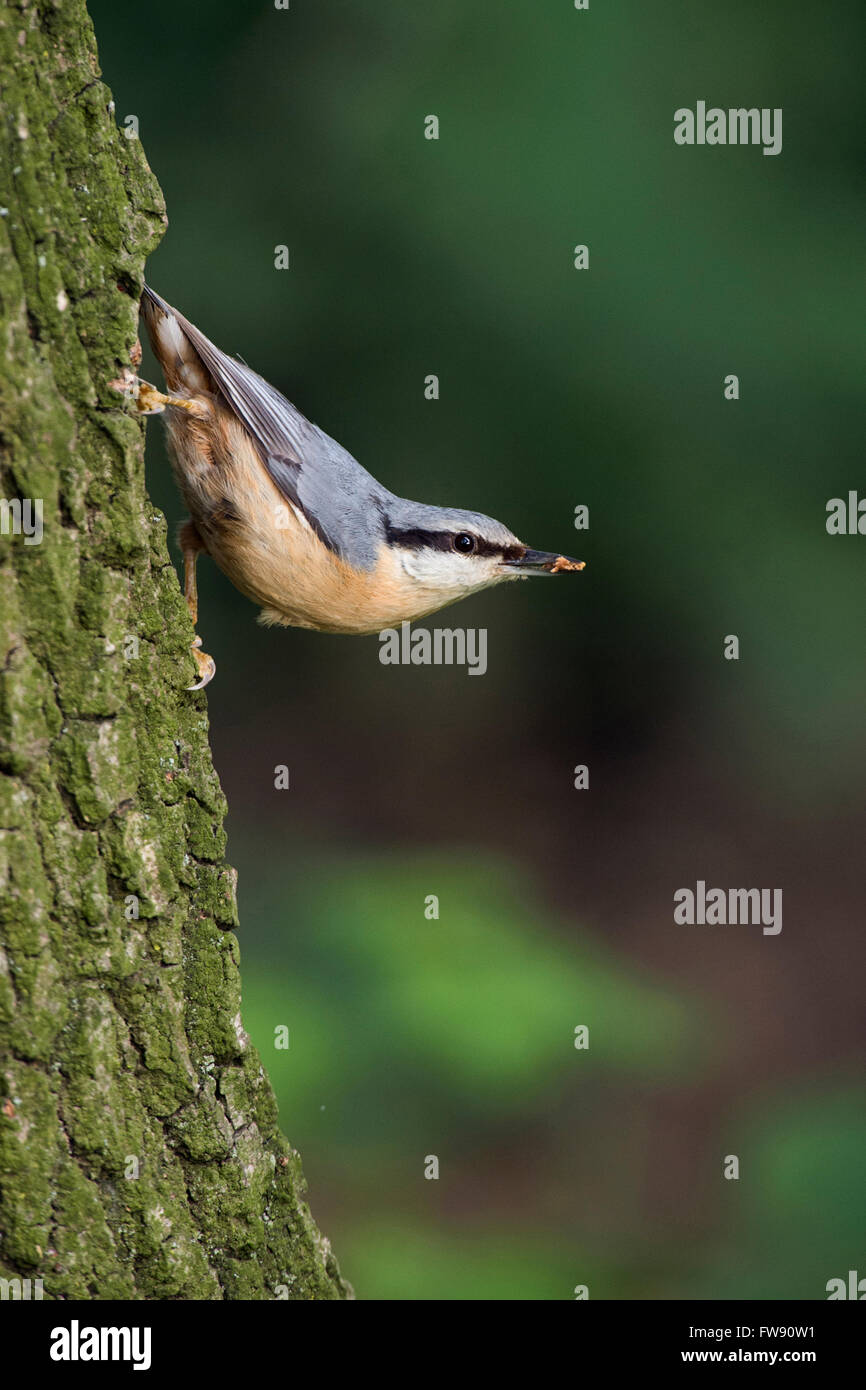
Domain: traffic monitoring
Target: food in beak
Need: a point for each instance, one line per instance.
(545, 562)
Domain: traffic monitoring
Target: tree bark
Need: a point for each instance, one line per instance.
(140, 1156)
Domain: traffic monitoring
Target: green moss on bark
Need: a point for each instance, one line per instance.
(139, 1150)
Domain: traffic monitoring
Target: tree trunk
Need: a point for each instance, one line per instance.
(140, 1156)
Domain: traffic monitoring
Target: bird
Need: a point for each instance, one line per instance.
(291, 518)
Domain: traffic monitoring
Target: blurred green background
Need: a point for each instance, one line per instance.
(412, 1037)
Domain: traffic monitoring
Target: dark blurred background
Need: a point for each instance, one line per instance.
(454, 1037)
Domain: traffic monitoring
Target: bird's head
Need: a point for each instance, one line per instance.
(448, 553)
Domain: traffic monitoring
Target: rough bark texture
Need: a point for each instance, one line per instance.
(139, 1150)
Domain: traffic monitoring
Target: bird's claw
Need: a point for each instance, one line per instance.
(205, 665)
(148, 401)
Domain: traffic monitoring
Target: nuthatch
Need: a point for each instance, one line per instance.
(292, 519)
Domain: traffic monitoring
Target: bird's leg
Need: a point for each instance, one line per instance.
(191, 543)
(148, 400)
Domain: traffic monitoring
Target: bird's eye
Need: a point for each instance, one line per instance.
(464, 543)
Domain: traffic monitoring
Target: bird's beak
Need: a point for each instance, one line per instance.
(543, 562)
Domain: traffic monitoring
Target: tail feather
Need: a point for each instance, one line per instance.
(181, 364)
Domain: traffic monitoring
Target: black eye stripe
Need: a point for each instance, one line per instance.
(444, 540)
(418, 540)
